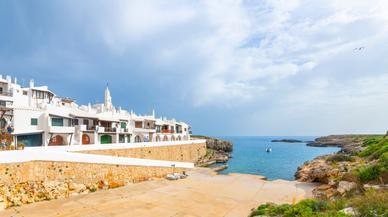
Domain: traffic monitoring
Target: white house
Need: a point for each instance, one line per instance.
(41, 118)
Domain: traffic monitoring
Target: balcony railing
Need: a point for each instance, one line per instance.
(110, 129)
(167, 131)
(5, 93)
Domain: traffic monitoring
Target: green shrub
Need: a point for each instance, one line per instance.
(373, 203)
(339, 158)
(384, 159)
(375, 148)
(368, 173)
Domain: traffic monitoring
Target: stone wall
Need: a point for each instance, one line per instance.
(182, 153)
(28, 182)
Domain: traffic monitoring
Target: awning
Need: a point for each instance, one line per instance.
(111, 119)
(84, 115)
(57, 114)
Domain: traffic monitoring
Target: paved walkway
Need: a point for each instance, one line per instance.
(202, 194)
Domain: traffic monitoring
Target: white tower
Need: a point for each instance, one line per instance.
(108, 99)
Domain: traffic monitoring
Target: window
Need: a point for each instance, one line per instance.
(57, 122)
(138, 124)
(123, 125)
(24, 92)
(86, 122)
(34, 121)
(3, 103)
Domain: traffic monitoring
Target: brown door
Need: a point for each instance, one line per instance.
(56, 140)
(85, 139)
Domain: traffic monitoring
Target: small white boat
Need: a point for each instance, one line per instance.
(268, 149)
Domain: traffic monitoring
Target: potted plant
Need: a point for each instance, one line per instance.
(21, 146)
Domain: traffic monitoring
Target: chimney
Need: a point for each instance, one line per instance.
(31, 83)
(8, 78)
(15, 80)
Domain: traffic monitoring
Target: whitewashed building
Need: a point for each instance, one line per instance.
(41, 118)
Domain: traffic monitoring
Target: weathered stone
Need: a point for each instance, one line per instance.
(344, 187)
(349, 211)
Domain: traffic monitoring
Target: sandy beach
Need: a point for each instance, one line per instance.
(202, 194)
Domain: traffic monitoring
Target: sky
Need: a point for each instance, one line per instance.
(230, 67)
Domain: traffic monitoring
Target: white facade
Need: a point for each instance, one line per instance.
(41, 118)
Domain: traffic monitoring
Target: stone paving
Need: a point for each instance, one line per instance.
(202, 194)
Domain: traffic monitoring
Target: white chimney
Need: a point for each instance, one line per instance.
(153, 112)
(8, 78)
(31, 83)
(15, 80)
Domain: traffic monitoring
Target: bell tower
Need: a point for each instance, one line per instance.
(108, 99)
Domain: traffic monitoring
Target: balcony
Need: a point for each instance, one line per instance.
(61, 129)
(122, 130)
(5, 93)
(167, 131)
(110, 130)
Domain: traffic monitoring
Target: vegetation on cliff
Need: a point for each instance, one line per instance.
(356, 178)
(370, 204)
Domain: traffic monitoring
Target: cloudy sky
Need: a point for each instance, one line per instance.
(228, 67)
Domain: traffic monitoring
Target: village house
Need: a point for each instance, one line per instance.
(39, 117)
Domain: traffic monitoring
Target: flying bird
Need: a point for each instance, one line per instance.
(358, 48)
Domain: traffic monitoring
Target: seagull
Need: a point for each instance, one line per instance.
(358, 48)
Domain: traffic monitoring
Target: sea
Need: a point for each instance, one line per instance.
(249, 155)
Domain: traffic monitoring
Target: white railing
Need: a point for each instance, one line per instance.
(58, 129)
(63, 156)
(117, 145)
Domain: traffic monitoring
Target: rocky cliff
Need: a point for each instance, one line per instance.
(347, 143)
(361, 163)
(218, 150)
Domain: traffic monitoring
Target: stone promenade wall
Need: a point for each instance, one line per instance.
(28, 182)
(182, 153)
(22, 183)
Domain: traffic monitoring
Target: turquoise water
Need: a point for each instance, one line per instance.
(249, 156)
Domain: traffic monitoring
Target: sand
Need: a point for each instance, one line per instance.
(202, 194)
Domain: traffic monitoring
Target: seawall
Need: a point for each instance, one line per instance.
(43, 174)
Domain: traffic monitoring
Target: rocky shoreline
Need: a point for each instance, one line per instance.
(336, 172)
(218, 151)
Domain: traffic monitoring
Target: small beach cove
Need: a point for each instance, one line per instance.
(202, 194)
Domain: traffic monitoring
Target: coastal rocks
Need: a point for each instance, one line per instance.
(316, 171)
(347, 143)
(218, 151)
(216, 144)
(344, 187)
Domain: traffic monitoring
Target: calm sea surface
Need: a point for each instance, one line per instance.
(249, 156)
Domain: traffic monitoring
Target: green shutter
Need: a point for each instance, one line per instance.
(57, 122)
(123, 125)
(34, 121)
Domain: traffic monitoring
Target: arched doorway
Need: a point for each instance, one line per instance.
(185, 138)
(172, 138)
(85, 139)
(106, 139)
(165, 138)
(157, 138)
(178, 138)
(3, 123)
(56, 140)
(138, 138)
